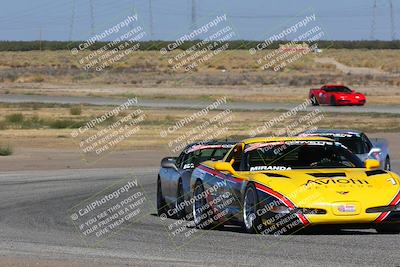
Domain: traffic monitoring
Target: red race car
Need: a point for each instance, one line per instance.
(336, 95)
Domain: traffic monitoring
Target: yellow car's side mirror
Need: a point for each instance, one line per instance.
(224, 167)
(371, 164)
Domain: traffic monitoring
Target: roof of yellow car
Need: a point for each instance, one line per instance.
(277, 139)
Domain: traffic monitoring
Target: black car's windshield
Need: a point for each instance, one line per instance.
(354, 143)
(196, 155)
(339, 89)
(298, 155)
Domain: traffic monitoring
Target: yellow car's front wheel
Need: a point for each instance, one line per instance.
(251, 220)
(388, 229)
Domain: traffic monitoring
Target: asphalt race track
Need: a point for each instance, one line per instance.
(35, 223)
(394, 109)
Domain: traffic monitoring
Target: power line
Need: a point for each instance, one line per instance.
(392, 20)
(32, 11)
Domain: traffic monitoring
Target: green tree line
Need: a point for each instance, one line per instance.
(157, 45)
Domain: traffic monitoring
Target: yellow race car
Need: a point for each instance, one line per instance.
(281, 185)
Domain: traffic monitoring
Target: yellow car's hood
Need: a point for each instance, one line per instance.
(325, 196)
(372, 188)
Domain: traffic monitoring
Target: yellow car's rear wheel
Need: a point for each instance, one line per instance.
(201, 208)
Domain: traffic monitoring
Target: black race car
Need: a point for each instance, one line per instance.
(173, 182)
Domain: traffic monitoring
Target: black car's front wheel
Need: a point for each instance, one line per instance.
(251, 220)
(179, 207)
(162, 207)
(387, 164)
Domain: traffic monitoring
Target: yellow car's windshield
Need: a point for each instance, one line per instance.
(287, 155)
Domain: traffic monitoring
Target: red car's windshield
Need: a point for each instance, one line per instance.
(338, 89)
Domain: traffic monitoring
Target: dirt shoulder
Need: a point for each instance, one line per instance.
(26, 157)
(30, 261)
(376, 94)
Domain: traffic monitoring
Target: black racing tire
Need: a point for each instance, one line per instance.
(388, 229)
(200, 208)
(252, 223)
(332, 101)
(387, 164)
(162, 208)
(314, 101)
(180, 211)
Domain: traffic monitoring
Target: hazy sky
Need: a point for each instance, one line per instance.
(252, 19)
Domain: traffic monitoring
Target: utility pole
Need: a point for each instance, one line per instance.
(392, 26)
(92, 17)
(194, 14)
(133, 12)
(71, 25)
(40, 38)
(373, 21)
(151, 18)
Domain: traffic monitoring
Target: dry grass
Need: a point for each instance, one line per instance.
(235, 68)
(234, 74)
(241, 60)
(160, 119)
(385, 59)
(376, 94)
